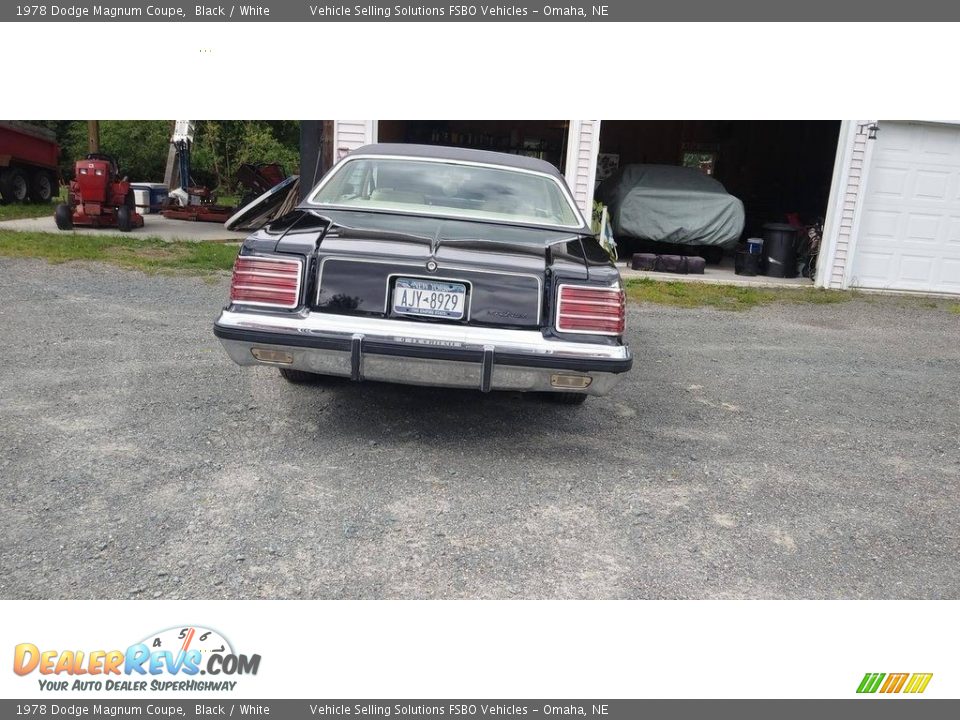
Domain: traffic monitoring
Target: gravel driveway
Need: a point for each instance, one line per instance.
(792, 451)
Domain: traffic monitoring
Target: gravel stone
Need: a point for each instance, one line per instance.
(791, 451)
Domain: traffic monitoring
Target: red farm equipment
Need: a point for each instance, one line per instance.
(28, 163)
(99, 197)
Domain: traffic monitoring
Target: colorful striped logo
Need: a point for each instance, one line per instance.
(894, 682)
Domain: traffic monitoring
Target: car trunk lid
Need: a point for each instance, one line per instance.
(502, 270)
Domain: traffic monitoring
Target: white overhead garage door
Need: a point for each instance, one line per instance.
(909, 235)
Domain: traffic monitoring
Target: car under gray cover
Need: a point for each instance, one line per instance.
(668, 204)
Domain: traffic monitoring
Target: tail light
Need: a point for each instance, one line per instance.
(590, 310)
(270, 281)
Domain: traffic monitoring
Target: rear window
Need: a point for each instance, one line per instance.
(448, 189)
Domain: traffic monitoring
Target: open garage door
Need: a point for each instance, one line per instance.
(766, 178)
(544, 139)
(909, 234)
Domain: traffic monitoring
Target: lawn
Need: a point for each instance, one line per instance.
(146, 254)
(16, 211)
(154, 255)
(736, 298)
(726, 297)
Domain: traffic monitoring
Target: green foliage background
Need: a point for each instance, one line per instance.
(220, 146)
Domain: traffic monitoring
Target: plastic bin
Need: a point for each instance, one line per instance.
(142, 198)
(158, 193)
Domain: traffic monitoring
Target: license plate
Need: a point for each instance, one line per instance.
(429, 298)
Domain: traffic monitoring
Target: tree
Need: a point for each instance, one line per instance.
(220, 146)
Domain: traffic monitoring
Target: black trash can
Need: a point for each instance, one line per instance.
(780, 249)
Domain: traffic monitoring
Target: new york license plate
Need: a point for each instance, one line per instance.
(429, 298)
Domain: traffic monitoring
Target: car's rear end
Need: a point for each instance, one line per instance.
(428, 299)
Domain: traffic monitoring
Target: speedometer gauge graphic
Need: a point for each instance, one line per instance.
(183, 639)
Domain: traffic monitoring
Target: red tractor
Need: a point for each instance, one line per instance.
(99, 197)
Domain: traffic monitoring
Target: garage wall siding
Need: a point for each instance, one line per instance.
(582, 149)
(848, 209)
(351, 134)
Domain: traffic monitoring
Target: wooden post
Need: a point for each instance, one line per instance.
(171, 177)
(315, 151)
(93, 136)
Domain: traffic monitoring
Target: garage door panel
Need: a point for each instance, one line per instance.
(874, 269)
(915, 270)
(940, 140)
(932, 185)
(899, 138)
(949, 280)
(879, 226)
(953, 232)
(890, 181)
(923, 229)
(909, 234)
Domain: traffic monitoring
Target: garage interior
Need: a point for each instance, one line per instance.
(778, 169)
(544, 139)
(775, 167)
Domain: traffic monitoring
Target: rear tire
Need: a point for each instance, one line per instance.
(13, 185)
(123, 219)
(64, 216)
(41, 186)
(565, 398)
(298, 377)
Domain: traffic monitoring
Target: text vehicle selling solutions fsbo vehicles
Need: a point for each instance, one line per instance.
(432, 266)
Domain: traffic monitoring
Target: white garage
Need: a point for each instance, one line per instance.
(909, 236)
(894, 217)
(893, 201)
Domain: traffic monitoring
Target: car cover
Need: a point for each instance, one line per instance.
(670, 204)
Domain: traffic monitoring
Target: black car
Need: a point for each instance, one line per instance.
(432, 266)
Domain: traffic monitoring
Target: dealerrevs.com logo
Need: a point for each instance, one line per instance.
(892, 683)
(172, 659)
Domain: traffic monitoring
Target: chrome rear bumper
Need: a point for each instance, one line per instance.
(420, 353)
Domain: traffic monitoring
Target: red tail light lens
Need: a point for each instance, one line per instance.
(270, 281)
(590, 310)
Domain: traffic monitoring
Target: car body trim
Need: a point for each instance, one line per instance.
(356, 357)
(402, 338)
(445, 268)
(486, 374)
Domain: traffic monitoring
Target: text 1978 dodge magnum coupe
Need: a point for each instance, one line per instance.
(432, 266)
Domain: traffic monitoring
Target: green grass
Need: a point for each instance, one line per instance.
(229, 200)
(726, 297)
(150, 255)
(16, 211)
(153, 255)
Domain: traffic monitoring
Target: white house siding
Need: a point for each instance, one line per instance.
(351, 134)
(583, 146)
(842, 214)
